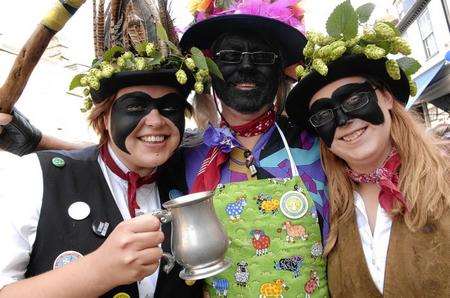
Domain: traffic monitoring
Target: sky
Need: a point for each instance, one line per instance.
(18, 20)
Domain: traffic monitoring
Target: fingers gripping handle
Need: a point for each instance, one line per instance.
(164, 217)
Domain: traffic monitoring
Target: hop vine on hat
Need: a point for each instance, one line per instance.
(375, 42)
(138, 37)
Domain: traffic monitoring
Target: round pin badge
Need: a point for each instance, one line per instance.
(293, 204)
(65, 258)
(58, 162)
(79, 210)
(121, 295)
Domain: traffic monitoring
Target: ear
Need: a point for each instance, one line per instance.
(386, 99)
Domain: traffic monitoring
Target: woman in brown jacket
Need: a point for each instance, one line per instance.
(388, 181)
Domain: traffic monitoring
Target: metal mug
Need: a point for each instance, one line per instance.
(198, 240)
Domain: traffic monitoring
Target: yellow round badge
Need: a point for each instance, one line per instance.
(293, 204)
(121, 295)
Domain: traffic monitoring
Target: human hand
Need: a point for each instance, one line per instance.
(130, 253)
(18, 136)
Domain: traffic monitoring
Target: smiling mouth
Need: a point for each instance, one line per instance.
(245, 86)
(153, 139)
(353, 135)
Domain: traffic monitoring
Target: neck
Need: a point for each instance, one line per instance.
(235, 118)
(370, 164)
(127, 160)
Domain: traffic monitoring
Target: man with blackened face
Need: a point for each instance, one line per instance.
(252, 71)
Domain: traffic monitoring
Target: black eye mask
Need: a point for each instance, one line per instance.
(371, 112)
(265, 77)
(129, 109)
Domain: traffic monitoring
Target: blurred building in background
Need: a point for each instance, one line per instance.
(426, 26)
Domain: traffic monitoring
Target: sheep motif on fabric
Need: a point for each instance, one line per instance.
(294, 231)
(293, 264)
(266, 204)
(221, 286)
(242, 274)
(316, 250)
(312, 284)
(234, 210)
(260, 241)
(272, 289)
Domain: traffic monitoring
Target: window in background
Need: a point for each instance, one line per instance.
(426, 32)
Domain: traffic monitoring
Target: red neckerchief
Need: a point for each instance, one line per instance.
(257, 126)
(208, 176)
(387, 178)
(133, 179)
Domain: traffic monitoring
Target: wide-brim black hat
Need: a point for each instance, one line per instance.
(297, 103)
(164, 77)
(203, 34)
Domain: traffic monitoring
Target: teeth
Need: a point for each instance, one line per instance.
(246, 85)
(153, 139)
(354, 135)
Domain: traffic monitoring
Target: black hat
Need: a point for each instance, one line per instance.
(297, 103)
(204, 33)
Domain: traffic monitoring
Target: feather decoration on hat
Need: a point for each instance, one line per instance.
(94, 27)
(167, 21)
(100, 30)
(155, 13)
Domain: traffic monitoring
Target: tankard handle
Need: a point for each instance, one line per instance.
(165, 216)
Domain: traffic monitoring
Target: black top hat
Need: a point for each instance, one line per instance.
(297, 103)
(204, 33)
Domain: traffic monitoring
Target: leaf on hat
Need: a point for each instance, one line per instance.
(173, 47)
(113, 52)
(365, 11)
(140, 48)
(76, 81)
(155, 60)
(199, 58)
(213, 68)
(409, 65)
(343, 21)
(161, 32)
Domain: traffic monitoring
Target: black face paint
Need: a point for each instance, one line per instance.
(265, 77)
(357, 100)
(129, 109)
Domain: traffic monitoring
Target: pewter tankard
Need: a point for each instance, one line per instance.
(199, 241)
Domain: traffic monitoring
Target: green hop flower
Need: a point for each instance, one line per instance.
(94, 84)
(150, 49)
(400, 45)
(369, 36)
(393, 69)
(324, 51)
(198, 87)
(337, 44)
(352, 42)
(320, 66)
(384, 31)
(98, 74)
(181, 77)
(128, 55)
(373, 52)
(308, 50)
(86, 91)
(202, 75)
(87, 103)
(299, 70)
(84, 81)
(357, 49)
(121, 61)
(107, 71)
(338, 52)
(412, 87)
(140, 63)
(190, 64)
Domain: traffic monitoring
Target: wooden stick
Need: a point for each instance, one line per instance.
(23, 67)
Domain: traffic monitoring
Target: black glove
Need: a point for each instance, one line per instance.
(19, 136)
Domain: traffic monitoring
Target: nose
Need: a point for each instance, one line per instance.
(154, 118)
(246, 62)
(341, 117)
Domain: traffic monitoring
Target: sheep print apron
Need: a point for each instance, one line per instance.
(275, 240)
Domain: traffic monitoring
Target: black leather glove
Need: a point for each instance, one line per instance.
(19, 136)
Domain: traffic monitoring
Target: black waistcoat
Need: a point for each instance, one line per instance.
(81, 179)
